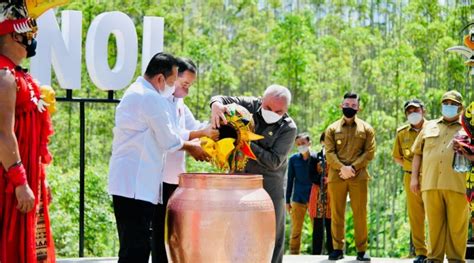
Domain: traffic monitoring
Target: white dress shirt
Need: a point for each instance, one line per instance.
(176, 161)
(145, 130)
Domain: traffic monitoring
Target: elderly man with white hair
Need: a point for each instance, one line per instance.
(279, 129)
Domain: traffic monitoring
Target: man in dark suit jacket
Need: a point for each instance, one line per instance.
(272, 122)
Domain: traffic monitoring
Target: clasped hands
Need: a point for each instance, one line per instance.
(347, 172)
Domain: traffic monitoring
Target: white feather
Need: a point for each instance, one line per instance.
(3, 13)
(465, 51)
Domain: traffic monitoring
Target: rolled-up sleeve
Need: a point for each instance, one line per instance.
(184, 134)
(190, 122)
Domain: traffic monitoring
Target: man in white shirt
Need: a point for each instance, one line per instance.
(175, 163)
(145, 131)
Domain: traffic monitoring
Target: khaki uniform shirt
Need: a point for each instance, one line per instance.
(349, 144)
(406, 136)
(434, 144)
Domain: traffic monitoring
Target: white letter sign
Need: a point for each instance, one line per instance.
(102, 27)
(153, 28)
(62, 50)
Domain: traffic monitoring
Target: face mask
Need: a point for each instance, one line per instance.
(449, 111)
(30, 46)
(169, 90)
(303, 148)
(349, 112)
(414, 118)
(270, 116)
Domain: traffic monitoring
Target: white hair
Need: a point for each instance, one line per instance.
(278, 91)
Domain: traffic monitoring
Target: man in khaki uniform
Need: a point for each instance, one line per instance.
(443, 189)
(350, 145)
(402, 154)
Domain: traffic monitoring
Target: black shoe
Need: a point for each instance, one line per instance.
(336, 255)
(419, 259)
(361, 256)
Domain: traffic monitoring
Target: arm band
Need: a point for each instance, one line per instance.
(16, 174)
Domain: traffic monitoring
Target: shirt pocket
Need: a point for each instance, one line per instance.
(431, 138)
(359, 140)
(406, 148)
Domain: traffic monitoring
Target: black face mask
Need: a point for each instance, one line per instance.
(349, 112)
(30, 46)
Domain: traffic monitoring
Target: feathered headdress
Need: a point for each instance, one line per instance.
(14, 18)
(467, 120)
(19, 15)
(468, 49)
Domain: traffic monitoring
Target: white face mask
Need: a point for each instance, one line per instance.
(414, 118)
(270, 116)
(303, 148)
(168, 91)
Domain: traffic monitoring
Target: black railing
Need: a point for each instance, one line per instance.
(82, 149)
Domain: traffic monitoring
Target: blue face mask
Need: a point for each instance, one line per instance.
(449, 111)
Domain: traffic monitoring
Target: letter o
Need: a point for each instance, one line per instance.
(101, 28)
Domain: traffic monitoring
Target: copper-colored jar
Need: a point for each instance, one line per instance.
(220, 218)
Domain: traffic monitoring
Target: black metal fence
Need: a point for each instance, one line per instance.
(82, 148)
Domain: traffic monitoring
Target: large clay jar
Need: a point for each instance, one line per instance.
(220, 218)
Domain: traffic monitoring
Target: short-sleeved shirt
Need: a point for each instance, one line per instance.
(349, 144)
(404, 140)
(434, 144)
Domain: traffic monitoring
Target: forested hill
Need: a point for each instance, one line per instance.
(386, 50)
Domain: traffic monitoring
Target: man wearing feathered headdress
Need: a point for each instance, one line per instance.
(466, 147)
(25, 127)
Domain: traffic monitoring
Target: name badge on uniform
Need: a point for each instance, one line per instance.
(338, 142)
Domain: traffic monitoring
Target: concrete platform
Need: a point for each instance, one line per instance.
(286, 259)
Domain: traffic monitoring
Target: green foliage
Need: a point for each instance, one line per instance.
(387, 50)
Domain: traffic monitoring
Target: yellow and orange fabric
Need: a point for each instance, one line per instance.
(231, 154)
